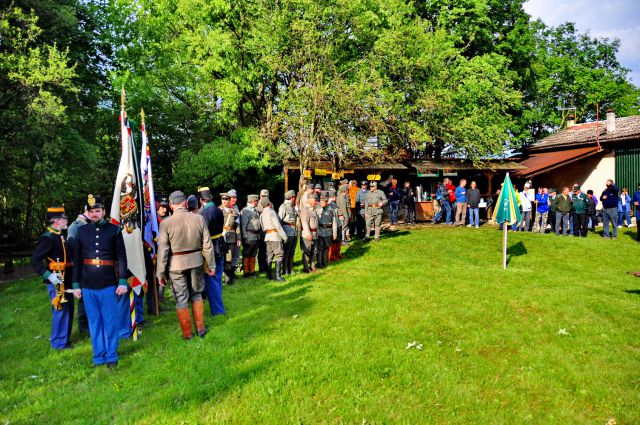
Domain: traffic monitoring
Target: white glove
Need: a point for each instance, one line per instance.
(53, 278)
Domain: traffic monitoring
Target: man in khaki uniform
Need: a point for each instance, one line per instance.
(274, 235)
(231, 234)
(374, 201)
(250, 231)
(309, 233)
(262, 246)
(288, 214)
(327, 230)
(183, 240)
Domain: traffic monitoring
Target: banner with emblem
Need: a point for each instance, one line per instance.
(150, 218)
(126, 206)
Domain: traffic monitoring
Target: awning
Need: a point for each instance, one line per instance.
(540, 163)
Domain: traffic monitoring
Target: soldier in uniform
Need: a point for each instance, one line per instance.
(327, 230)
(183, 240)
(308, 190)
(309, 233)
(361, 198)
(250, 232)
(334, 248)
(231, 235)
(274, 235)
(374, 202)
(163, 210)
(262, 247)
(214, 219)
(288, 214)
(52, 261)
(98, 250)
(318, 190)
(344, 212)
(72, 234)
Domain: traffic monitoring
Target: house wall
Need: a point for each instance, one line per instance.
(590, 173)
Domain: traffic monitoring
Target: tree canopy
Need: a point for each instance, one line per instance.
(233, 89)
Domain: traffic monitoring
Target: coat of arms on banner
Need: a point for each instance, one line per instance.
(128, 205)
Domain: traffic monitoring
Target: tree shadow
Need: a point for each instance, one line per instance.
(516, 251)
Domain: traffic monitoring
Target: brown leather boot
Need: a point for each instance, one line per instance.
(252, 266)
(246, 267)
(184, 318)
(198, 317)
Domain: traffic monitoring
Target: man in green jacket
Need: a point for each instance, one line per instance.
(562, 206)
(580, 207)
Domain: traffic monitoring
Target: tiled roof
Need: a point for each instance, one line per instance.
(585, 134)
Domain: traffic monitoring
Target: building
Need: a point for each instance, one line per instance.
(587, 154)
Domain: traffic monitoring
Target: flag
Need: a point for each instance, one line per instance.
(506, 213)
(150, 218)
(126, 206)
(506, 210)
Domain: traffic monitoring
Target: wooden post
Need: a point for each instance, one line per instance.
(286, 179)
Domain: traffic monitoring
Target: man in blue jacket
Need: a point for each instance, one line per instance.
(609, 200)
(461, 203)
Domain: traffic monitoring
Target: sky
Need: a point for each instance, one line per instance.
(602, 18)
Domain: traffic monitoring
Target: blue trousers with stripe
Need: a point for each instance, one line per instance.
(62, 320)
(213, 287)
(104, 323)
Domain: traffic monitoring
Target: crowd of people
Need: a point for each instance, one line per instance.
(200, 244)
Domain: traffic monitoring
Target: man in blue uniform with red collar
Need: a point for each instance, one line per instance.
(52, 251)
(98, 251)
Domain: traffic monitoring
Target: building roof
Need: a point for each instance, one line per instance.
(541, 162)
(326, 165)
(454, 164)
(627, 128)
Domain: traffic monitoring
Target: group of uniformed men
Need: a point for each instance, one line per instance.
(196, 244)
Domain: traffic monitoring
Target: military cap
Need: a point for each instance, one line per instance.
(54, 213)
(205, 193)
(324, 193)
(177, 197)
(332, 193)
(344, 188)
(374, 184)
(313, 196)
(364, 183)
(324, 198)
(232, 193)
(164, 202)
(192, 203)
(344, 181)
(265, 201)
(552, 190)
(264, 192)
(94, 202)
(576, 186)
(318, 186)
(290, 194)
(252, 198)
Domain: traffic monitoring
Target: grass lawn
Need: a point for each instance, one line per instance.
(554, 339)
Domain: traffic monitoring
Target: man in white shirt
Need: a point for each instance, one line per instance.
(525, 199)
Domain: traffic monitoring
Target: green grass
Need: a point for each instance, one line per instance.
(330, 347)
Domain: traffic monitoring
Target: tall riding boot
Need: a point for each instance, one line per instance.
(252, 266)
(184, 318)
(245, 267)
(366, 235)
(377, 233)
(277, 275)
(198, 317)
(338, 249)
(305, 263)
(332, 255)
(269, 270)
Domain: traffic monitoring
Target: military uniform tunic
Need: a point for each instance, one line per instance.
(308, 237)
(374, 201)
(289, 218)
(250, 231)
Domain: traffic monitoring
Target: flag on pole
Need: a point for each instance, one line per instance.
(506, 212)
(150, 218)
(125, 207)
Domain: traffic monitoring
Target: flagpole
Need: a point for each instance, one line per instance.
(153, 269)
(504, 246)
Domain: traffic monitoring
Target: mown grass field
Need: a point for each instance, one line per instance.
(554, 339)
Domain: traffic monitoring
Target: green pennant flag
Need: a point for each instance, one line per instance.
(506, 210)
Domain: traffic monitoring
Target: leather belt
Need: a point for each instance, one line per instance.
(191, 251)
(214, 237)
(290, 224)
(229, 228)
(97, 262)
(255, 232)
(326, 226)
(59, 265)
(313, 230)
(271, 230)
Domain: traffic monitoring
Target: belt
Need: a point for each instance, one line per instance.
(59, 265)
(326, 226)
(271, 230)
(191, 251)
(255, 232)
(214, 237)
(97, 262)
(229, 228)
(313, 230)
(290, 224)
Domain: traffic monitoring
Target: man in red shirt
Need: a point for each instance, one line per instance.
(451, 190)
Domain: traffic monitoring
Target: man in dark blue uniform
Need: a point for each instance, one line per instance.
(72, 234)
(99, 250)
(214, 218)
(52, 251)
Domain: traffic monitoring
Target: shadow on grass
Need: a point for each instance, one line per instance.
(516, 251)
(633, 291)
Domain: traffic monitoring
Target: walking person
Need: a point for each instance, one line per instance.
(473, 202)
(98, 250)
(562, 205)
(184, 245)
(51, 260)
(542, 210)
(288, 214)
(581, 204)
(624, 207)
(609, 199)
